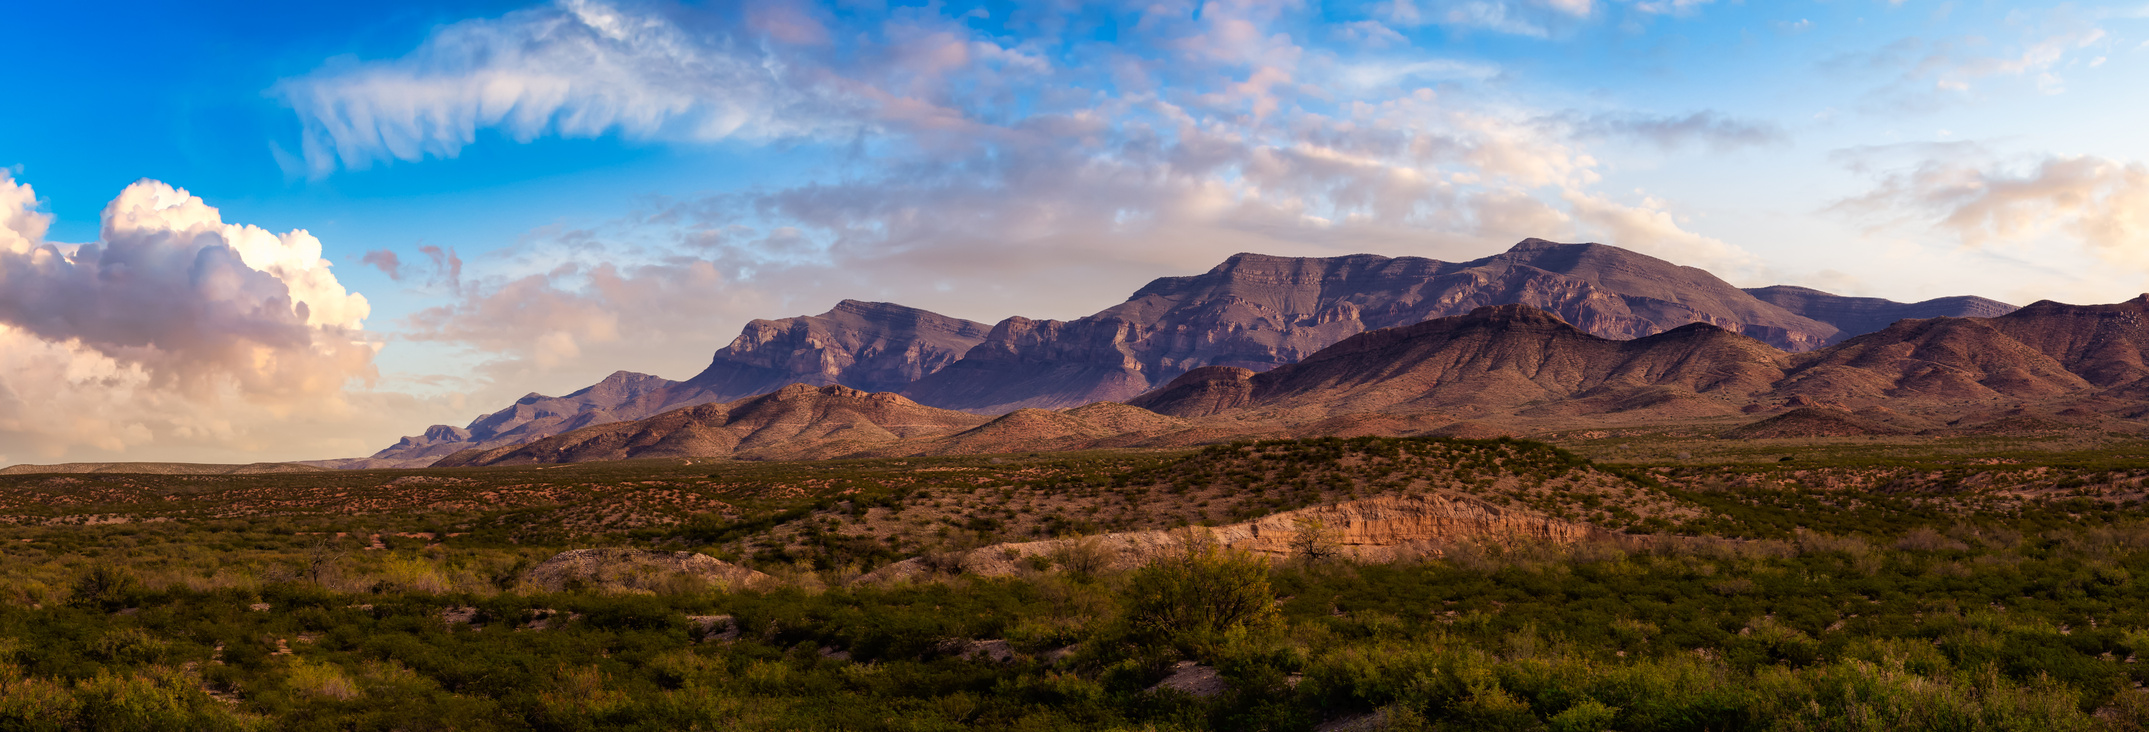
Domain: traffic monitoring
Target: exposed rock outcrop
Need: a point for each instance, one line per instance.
(635, 570)
(1203, 391)
(1375, 529)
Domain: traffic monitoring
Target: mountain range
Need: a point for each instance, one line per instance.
(1252, 313)
(1502, 368)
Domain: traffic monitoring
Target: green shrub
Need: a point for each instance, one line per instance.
(1198, 591)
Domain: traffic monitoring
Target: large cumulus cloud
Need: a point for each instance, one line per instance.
(173, 326)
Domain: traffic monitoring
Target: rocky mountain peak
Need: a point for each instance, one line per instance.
(875, 346)
(1260, 312)
(1533, 244)
(621, 386)
(446, 433)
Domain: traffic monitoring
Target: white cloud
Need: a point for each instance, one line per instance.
(173, 330)
(578, 69)
(1533, 18)
(1370, 34)
(1670, 7)
(1966, 193)
(1651, 228)
(1708, 129)
(194, 301)
(1929, 73)
(1375, 76)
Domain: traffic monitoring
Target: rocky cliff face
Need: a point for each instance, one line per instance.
(1385, 528)
(1260, 312)
(1855, 316)
(871, 346)
(636, 570)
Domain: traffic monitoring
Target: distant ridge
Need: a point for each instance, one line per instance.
(1497, 370)
(1855, 316)
(160, 468)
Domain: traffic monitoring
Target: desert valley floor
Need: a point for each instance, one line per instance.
(1623, 579)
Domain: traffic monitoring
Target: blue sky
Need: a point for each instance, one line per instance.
(514, 197)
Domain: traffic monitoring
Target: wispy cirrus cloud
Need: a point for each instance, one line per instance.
(2038, 50)
(1707, 129)
(576, 69)
(1533, 18)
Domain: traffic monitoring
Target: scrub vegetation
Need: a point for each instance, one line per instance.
(1973, 590)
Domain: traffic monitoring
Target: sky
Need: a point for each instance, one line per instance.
(234, 232)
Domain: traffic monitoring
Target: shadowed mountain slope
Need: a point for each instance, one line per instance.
(1103, 424)
(1521, 363)
(2103, 344)
(1500, 357)
(1811, 422)
(794, 421)
(1938, 362)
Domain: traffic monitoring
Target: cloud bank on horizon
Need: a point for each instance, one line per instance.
(1045, 159)
(167, 327)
